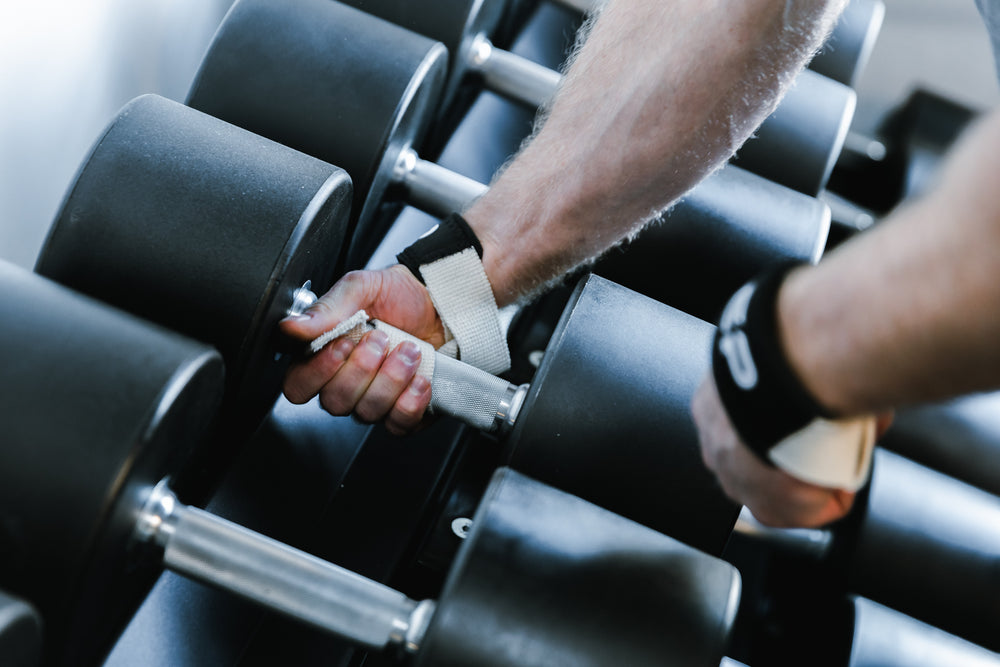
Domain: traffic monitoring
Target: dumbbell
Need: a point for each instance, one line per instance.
(857, 632)
(20, 633)
(261, 73)
(89, 520)
(909, 145)
(921, 542)
(884, 637)
(845, 52)
(960, 438)
(679, 261)
(465, 27)
(928, 546)
(204, 228)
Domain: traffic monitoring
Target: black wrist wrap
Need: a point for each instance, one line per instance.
(451, 235)
(765, 400)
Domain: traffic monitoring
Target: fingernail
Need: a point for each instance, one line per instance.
(298, 317)
(342, 349)
(377, 341)
(409, 352)
(418, 385)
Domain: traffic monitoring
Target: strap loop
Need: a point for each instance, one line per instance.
(448, 261)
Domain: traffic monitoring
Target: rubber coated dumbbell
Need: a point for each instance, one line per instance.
(885, 638)
(88, 492)
(171, 201)
(796, 146)
(846, 52)
(20, 633)
(857, 632)
(960, 438)
(919, 541)
(368, 116)
(909, 144)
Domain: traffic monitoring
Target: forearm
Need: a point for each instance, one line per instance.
(660, 95)
(911, 310)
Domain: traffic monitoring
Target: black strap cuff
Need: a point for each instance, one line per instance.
(451, 235)
(765, 400)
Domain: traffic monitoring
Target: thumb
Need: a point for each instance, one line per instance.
(345, 298)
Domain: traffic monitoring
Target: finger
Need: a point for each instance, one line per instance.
(305, 379)
(794, 504)
(350, 294)
(410, 407)
(340, 395)
(391, 380)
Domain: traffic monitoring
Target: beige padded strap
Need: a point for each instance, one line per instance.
(463, 297)
(835, 454)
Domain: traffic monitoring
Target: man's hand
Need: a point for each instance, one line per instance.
(367, 379)
(775, 498)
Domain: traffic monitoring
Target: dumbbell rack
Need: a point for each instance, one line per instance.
(387, 508)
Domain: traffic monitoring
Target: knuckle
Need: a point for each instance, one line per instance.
(397, 373)
(334, 403)
(295, 396)
(369, 411)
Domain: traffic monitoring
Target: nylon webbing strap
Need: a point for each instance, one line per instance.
(358, 324)
(448, 261)
(835, 453)
(463, 297)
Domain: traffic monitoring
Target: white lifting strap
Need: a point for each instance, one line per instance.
(831, 453)
(463, 298)
(358, 324)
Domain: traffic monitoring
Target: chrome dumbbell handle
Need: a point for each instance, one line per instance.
(210, 549)
(512, 75)
(473, 396)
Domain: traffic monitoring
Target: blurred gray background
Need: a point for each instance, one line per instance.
(66, 67)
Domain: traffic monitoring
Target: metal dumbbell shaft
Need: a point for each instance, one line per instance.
(814, 542)
(511, 75)
(209, 549)
(432, 188)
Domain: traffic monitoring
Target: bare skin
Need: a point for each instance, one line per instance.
(659, 96)
(909, 312)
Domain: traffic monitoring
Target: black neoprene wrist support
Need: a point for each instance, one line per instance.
(452, 235)
(764, 398)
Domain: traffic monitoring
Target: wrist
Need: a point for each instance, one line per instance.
(495, 256)
(762, 393)
(448, 261)
(769, 406)
(809, 349)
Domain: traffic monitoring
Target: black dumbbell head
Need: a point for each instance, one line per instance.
(608, 415)
(328, 80)
(98, 406)
(204, 228)
(454, 23)
(545, 578)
